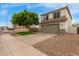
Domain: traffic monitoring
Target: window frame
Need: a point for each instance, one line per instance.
(56, 14)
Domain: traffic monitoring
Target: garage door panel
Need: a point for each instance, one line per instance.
(50, 28)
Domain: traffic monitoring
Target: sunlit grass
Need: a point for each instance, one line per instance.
(24, 33)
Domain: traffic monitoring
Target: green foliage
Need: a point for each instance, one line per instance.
(24, 33)
(24, 18)
(14, 19)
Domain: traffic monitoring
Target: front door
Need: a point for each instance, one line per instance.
(77, 30)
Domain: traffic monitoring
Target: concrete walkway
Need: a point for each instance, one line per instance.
(11, 46)
(35, 38)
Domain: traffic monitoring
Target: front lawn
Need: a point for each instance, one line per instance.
(24, 33)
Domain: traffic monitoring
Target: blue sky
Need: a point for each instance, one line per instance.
(7, 10)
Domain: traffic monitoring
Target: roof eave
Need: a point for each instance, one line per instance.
(58, 10)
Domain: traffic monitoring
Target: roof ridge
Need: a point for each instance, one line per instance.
(55, 10)
(58, 10)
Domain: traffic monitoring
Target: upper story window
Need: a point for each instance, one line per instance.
(46, 17)
(56, 15)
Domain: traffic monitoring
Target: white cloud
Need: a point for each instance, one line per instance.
(75, 20)
(11, 5)
(47, 5)
(74, 8)
(39, 1)
(52, 5)
(3, 12)
(29, 6)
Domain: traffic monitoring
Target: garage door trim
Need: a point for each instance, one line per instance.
(50, 28)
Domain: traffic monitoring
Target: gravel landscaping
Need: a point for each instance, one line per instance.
(60, 45)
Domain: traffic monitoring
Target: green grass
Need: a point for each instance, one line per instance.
(24, 33)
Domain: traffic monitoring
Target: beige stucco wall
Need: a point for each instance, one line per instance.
(63, 25)
(68, 24)
(20, 28)
(74, 30)
(50, 16)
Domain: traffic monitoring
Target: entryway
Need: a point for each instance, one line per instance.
(77, 30)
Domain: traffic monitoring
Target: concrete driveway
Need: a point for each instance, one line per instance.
(9, 45)
(35, 38)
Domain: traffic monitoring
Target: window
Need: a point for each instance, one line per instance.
(46, 17)
(56, 15)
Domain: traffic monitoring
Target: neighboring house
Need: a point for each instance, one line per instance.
(58, 21)
(34, 28)
(77, 28)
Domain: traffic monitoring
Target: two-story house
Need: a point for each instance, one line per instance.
(57, 21)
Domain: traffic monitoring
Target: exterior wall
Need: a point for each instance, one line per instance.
(67, 25)
(63, 12)
(74, 30)
(62, 25)
(50, 16)
(20, 28)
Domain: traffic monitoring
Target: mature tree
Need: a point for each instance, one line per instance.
(34, 16)
(15, 20)
(25, 18)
